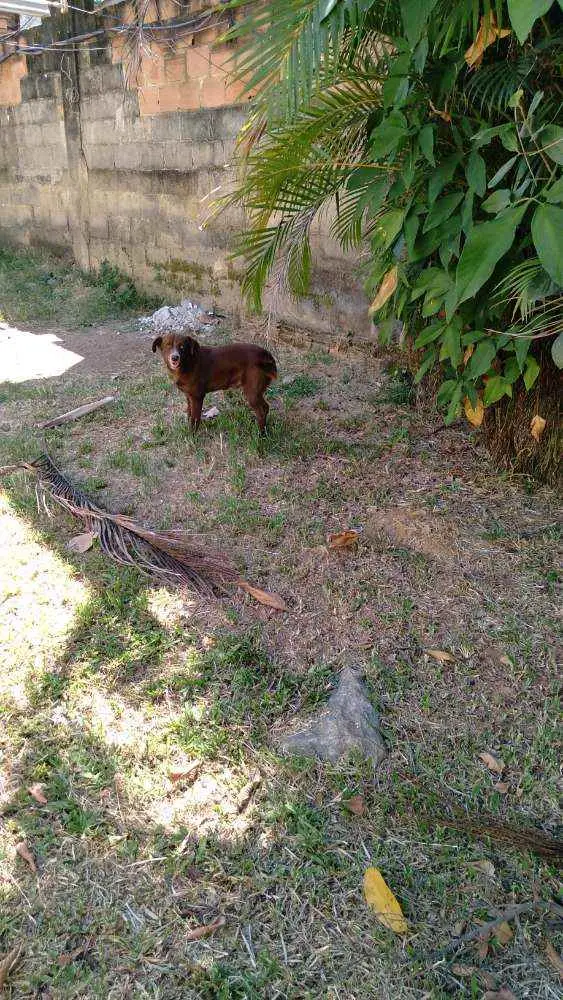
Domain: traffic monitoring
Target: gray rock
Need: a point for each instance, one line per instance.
(347, 723)
(187, 317)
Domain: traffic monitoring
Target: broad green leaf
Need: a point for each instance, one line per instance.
(521, 348)
(451, 344)
(495, 389)
(432, 280)
(441, 210)
(554, 194)
(467, 213)
(410, 230)
(509, 140)
(449, 247)
(415, 14)
(511, 370)
(497, 201)
(454, 404)
(426, 244)
(442, 175)
(387, 136)
(547, 234)
(486, 135)
(426, 143)
(476, 173)
(420, 55)
(531, 373)
(429, 334)
(524, 13)
(326, 8)
(557, 350)
(428, 360)
(503, 171)
(387, 229)
(446, 391)
(481, 359)
(483, 249)
(552, 142)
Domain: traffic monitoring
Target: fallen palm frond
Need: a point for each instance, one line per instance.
(170, 556)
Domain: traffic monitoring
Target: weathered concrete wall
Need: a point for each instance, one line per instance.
(119, 162)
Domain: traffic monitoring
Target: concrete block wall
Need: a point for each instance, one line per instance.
(120, 162)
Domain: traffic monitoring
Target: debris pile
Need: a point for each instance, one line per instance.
(186, 317)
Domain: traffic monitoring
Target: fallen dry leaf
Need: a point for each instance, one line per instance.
(356, 805)
(263, 597)
(189, 771)
(554, 957)
(444, 115)
(537, 427)
(474, 414)
(483, 950)
(487, 867)
(385, 291)
(441, 655)
(9, 962)
(488, 33)
(36, 792)
(503, 994)
(493, 763)
(205, 930)
(247, 792)
(501, 787)
(506, 661)
(342, 539)
(503, 932)
(380, 898)
(24, 852)
(81, 543)
(464, 970)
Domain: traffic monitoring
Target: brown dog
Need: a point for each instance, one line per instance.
(197, 370)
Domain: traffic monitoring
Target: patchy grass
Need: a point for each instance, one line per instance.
(113, 688)
(37, 287)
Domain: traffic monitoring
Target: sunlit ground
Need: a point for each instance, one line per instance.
(25, 355)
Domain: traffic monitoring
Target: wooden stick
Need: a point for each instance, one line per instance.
(80, 411)
(485, 930)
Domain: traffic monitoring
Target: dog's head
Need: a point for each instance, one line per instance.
(179, 352)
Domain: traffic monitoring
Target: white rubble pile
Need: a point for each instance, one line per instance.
(179, 319)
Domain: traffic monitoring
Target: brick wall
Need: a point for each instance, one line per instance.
(119, 162)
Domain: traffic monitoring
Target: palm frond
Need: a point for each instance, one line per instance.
(491, 87)
(171, 557)
(525, 285)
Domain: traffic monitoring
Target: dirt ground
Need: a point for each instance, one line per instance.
(142, 714)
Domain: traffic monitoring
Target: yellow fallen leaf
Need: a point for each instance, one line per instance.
(263, 597)
(440, 655)
(503, 933)
(467, 353)
(501, 787)
(488, 33)
(342, 539)
(537, 427)
(386, 289)
(380, 898)
(493, 763)
(474, 414)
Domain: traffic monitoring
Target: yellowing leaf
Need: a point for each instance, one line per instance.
(467, 353)
(537, 427)
(81, 543)
(441, 655)
(493, 763)
(342, 539)
(386, 289)
(488, 33)
(263, 597)
(474, 414)
(503, 933)
(380, 898)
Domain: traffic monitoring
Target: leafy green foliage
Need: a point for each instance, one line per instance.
(445, 172)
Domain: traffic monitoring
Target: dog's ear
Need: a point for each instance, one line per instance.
(190, 347)
(157, 342)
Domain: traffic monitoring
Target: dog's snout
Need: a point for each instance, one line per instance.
(174, 356)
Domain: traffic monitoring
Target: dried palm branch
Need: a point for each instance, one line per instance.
(169, 556)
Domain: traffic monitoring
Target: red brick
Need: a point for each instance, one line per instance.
(175, 68)
(152, 69)
(197, 61)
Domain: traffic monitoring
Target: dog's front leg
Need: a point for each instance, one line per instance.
(195, 404)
